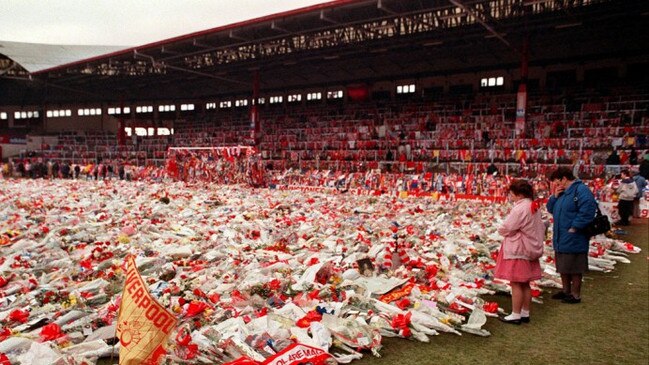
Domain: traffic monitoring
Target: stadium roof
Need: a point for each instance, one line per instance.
(35, 57)
(348, 41)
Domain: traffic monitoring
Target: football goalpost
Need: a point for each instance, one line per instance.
(220, 165)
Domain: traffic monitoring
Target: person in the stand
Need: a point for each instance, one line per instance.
(103, 170)
(486, 138)
(48, 166)
(389, 157)
(21, 168)
(5, 170)
(43, 169)
(613, 159)
(109, 170)
(65, 170)
(633, 157)
(55, 170)
(518, 258)
(492, 169)
(573, 207)
(627, 191)
(644, 166)
(77, 171)
(120, 171)
(29, 169)
(641, 183)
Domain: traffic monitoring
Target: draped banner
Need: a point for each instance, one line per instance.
(298, 353)
(358, 92)
(295, 354)
(521, 104)
(143, 325)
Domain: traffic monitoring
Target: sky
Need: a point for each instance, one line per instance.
(125, 22)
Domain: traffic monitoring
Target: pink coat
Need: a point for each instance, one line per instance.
(524, 232)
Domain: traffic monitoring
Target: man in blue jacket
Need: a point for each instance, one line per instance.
(573, 207)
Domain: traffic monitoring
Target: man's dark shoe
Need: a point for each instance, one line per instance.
(560, 295)
(571, 300)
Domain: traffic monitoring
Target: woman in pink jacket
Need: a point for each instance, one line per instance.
(518, 260)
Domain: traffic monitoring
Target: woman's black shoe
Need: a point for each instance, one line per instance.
(525, 319)
(510, 321)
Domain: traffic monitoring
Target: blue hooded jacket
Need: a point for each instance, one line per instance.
(575, 208)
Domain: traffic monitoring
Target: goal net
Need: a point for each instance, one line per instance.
(220, 165)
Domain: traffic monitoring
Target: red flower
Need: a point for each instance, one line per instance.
(458, 308)
(400, 322)
(4, 334)
(199, 293)
(86, 264)
(410, 229)
(311, 316)
(214, 298)
(431, 270)
(403, 303)
(4, 281)
(183, 339)
(51, 332)
(18, 315)
(494, 255)
(195, 308)
(490, 307)
(237, 295)
(274, 284)
(262, 312)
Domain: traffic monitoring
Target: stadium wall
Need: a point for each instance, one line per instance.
(11, 150)
(545, 78)
(55, 125)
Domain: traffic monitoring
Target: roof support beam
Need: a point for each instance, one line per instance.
(234, 36)
(277, 27)
(162, 64)
(8, 69)
(196, 43)
(327, 19)
(380, 6)
(480, 19)
(166, 50)
(68, 88)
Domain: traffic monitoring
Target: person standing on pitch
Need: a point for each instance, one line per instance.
(627, 191)
(573, 207)
(518, 259)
